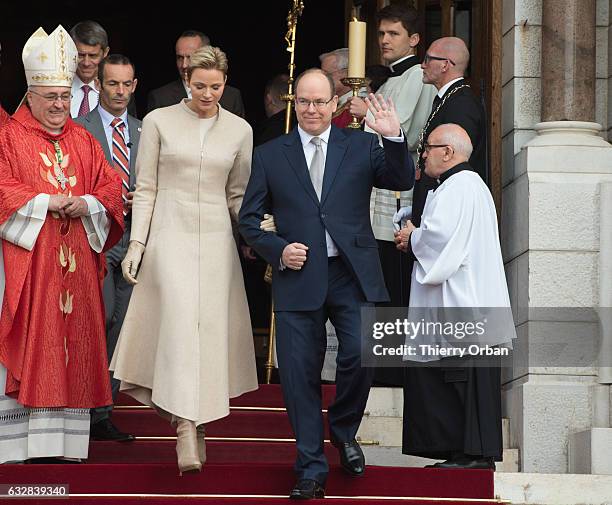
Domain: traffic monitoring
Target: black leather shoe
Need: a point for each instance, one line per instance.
(307, 489)
(106, 430)
(466, 462)
(351, 457)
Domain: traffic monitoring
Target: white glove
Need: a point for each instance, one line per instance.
(268, 223)
(400, 217)
(131, 262)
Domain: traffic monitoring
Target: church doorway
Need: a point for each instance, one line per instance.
(478, 23)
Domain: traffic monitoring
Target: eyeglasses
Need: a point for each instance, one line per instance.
(302, 103)
(429, 147)
(52, 98)
(429, 57)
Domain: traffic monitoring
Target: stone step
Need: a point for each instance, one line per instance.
(392, 456)
(506, 433)
(553, 489)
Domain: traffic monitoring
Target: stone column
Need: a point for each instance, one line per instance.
(568, 60)
(555, 242)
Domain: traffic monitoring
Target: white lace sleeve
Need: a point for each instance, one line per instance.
(23, 227)
(96, 223)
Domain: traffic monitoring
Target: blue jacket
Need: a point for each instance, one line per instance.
(280, 185)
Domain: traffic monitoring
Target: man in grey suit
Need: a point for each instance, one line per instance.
(173, 92)
(118, 134)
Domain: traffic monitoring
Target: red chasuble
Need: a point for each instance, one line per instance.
(4, 117)
(52, 338)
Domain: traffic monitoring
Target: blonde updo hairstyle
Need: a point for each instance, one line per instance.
(208, 58)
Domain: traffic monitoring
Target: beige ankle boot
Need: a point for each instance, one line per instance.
(187, 446)
(201, 433)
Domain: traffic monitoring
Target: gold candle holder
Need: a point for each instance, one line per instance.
(356, 83)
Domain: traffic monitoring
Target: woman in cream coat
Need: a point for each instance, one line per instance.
(186, 345)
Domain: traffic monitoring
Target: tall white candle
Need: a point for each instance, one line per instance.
(357, 47)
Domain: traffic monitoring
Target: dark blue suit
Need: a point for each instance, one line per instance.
(336, 289)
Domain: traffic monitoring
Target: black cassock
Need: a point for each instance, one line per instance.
(452, 409)
(448, 408)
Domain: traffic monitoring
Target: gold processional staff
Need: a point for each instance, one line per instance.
(295, 11)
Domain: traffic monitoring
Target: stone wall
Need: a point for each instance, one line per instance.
(550, 236)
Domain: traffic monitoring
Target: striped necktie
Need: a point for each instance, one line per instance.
(121, 157)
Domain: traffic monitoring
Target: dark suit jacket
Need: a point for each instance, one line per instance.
(93, 124)
(280, 184)
(270, 128)
(462, 108)
(173, 92)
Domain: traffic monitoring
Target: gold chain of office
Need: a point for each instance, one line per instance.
(431, 116)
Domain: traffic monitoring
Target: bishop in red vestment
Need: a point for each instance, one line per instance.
(60, 208)
(52, 338)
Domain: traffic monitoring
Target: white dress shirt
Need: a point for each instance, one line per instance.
(309, 152)
(107, 119)
(187, 90)
(444, 88)
(77, 96)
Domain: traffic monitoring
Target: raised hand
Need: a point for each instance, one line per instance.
(385, 121)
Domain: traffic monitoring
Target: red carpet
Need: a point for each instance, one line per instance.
(236, 500)
(235, 468)
(268, 395)
(239, 423)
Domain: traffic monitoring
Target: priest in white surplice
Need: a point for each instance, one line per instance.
(452, 410)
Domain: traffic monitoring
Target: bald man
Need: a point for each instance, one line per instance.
(444, 66)
(177, 90)
(452, 410)
(317, 182)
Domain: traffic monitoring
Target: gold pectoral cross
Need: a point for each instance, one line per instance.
(60, 177)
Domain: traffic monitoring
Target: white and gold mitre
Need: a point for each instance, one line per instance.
(50, 60)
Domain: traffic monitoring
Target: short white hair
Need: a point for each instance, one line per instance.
(455, 136)
(341, 57)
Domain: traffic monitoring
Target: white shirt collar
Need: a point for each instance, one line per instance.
(444, 88)
(187, 89)
(307, 137)
(107, 117)
(396, 62)
(78, 84)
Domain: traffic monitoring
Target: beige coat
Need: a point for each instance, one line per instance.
(186, 345)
